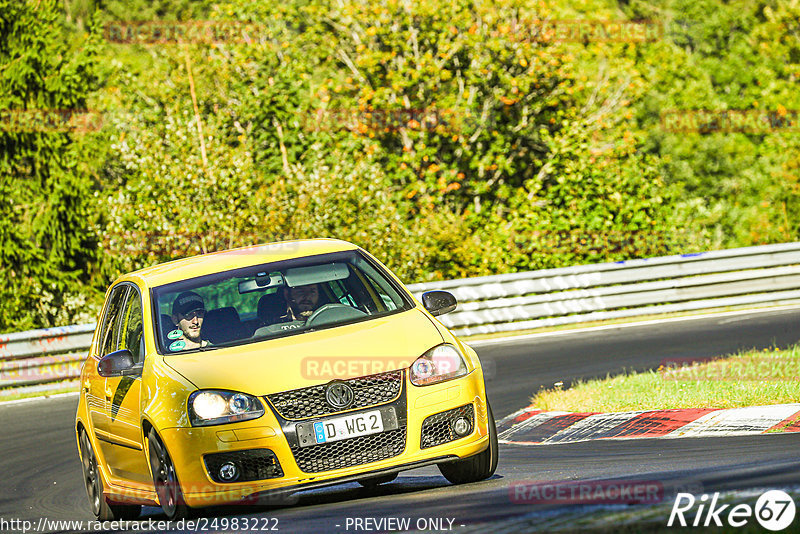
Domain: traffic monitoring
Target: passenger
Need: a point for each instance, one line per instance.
(188, 312)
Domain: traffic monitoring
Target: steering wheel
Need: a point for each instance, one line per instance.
(333, 312)
(277, 327)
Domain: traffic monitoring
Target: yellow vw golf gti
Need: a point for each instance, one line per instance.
(240, 375)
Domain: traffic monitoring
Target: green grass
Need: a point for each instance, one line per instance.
(751, 378)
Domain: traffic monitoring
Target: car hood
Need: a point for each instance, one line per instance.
(301, 360)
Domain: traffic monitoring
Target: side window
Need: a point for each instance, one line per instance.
(342, 294)
(132, 326)
(110, 330)
(385, 300)
(388, 297)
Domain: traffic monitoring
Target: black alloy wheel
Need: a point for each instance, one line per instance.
(101, 508)
(165, 480)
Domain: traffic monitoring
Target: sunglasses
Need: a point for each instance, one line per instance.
(195, 313)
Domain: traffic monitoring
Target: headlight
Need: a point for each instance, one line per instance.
(437, 365)
(212, 407)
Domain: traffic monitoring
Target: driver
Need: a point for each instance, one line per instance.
(188, 312)
(303, 300)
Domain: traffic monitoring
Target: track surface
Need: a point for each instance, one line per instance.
(42, 476)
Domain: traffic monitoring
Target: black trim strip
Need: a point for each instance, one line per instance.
(114, 442)
(288, 490)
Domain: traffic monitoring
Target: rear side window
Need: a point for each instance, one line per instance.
(109, 330)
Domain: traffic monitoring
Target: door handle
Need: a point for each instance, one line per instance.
(86, 386)
(108, 394)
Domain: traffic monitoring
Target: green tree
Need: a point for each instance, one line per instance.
(47, 248)
(736, 187)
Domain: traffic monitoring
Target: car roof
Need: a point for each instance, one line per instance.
(226, 260)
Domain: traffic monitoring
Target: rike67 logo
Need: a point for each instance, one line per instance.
(774, 510)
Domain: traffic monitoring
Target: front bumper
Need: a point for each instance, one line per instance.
(189, 446)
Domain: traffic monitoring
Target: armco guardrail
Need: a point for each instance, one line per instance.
(42, 359)
(768, 274)
(764, 275)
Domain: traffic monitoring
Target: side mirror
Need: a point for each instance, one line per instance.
(118, 363)
(439, 302)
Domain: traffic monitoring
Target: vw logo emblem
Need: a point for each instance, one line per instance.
(339, 395)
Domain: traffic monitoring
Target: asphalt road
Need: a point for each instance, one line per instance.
(42, 476)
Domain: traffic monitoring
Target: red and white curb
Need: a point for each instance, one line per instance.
(530, 426)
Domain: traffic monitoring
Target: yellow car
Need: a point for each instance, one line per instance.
(241, 375)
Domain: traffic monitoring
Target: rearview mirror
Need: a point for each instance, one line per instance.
(439, 302)
(118, 363)
(261, 282)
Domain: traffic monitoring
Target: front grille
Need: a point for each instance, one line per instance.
(310, 402)
(437, 428)
(253, 464)
(350, 452)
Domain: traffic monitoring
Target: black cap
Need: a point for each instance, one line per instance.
(186, 302)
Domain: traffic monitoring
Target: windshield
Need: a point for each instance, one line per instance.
(272, 300)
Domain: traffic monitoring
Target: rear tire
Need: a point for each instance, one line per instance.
(101, 508)
(374, 482)
(165, 481)
(478, 467)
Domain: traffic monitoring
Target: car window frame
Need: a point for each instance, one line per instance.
(328, 257)
(101, 342)
(133, 292)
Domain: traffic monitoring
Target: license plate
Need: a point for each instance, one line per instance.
(349, 426)
(361, 424)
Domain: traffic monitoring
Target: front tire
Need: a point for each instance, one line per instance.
(478, 467)
(101, 508)
(165, 480)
